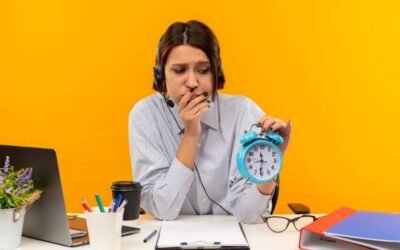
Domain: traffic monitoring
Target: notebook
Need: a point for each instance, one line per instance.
(47, 219)
(192, 234)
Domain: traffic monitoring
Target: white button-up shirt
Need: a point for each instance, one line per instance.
(168, 187)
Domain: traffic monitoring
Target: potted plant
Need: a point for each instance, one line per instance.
(17, 193)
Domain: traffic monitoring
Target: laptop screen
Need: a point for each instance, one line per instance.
(46, 219)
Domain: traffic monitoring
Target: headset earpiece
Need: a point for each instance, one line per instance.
(158, 78)
(158, 74)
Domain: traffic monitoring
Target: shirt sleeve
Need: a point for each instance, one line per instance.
(247, 203)
(165, 184)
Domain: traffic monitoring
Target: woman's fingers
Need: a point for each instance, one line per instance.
(263, 119)
(266, 125)
(274, 124)
(185, 100)
(194, 102)
(200, 109)
(193, 113)
(194, 108)
(278, 125)
(266, 122)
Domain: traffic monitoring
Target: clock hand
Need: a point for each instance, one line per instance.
(261, 161)
(255, 159)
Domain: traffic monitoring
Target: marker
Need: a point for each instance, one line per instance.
(99, 203)
(86, 206)
(117, 202)
(122, 205)
(148, 237)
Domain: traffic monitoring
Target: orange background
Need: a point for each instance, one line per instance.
(70, 71)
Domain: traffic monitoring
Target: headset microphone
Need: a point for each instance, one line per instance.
(170, 103)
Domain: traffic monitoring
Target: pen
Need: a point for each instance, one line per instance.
(99, 203)
(148, 237)
(111, 207)
(86, 206)
(117, 202)
(122, 205)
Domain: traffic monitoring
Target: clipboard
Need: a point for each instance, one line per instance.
(203, 235)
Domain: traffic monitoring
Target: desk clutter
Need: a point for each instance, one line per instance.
(122, 192)
(347, 228)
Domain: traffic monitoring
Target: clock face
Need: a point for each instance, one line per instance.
(262, 161)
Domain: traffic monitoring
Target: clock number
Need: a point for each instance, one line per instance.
(275, 160)
(261, 173)
(273, 167)
(273, 154)
(262, 147)
(269, 148)
(256, 149)
(248, 160)
(250, 166)
(268, 172)
(251, 153)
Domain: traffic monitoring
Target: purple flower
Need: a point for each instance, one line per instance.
(29, 176)
(22, 176)
(7, 164)
(25, 176)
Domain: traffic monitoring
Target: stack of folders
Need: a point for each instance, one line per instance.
(187, 234)
(346, 228)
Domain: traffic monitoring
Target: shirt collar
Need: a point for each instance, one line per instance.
(210, 119)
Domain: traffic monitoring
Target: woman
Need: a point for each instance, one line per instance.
(184, 139)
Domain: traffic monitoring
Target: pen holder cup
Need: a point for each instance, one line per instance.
(131, 191)
(104, 229)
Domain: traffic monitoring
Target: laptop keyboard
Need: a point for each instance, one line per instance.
(76, 233)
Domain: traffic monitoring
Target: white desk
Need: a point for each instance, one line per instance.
(258, 235)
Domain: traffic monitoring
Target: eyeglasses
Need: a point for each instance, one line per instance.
(278, 224)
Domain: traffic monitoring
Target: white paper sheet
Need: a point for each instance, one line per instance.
(201, 233)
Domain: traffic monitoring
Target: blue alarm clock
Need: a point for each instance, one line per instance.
(259, 158)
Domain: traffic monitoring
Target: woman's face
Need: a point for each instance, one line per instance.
(187, 68)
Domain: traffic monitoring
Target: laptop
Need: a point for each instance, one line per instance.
(47, 219)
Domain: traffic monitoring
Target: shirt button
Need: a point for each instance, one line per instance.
(189, 183)
(203, 199)
(177, 210)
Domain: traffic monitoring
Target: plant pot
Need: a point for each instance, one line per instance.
(11, 221)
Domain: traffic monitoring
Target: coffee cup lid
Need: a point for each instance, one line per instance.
(125, 185)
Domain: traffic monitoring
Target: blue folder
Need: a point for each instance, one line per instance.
(373, 226)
